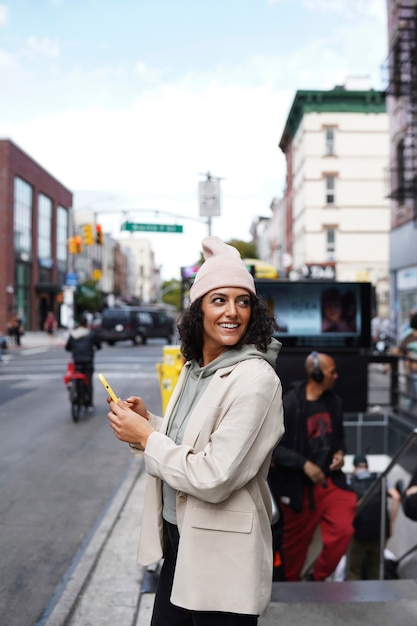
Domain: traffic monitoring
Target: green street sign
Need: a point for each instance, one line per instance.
(151, 228)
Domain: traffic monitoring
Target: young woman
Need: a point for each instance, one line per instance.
(207, 506)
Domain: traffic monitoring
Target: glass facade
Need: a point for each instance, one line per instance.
(22, 302)
(22, 234)
(23, 200)
(44, 231)
(61, 242)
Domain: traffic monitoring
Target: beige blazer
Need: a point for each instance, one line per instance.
(223, 503)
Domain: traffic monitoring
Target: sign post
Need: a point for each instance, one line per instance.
(209, 196)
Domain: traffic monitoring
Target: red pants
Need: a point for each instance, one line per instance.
(334, 512)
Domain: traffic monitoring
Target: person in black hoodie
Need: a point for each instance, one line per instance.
(306, 475)
(83, 342)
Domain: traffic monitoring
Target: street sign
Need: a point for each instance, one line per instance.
(152, 228)
(71, 279)
(209, 193)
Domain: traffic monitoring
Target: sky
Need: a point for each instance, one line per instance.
(129, 103)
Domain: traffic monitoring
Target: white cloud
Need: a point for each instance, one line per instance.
(147, 73)
(42, 47)
(348, 8)
(4, 14)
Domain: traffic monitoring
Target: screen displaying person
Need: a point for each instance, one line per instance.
(338, 311)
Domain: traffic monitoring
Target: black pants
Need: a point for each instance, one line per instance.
(165, 613)
(87, 369)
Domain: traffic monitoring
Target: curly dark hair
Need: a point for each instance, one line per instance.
(260, 331)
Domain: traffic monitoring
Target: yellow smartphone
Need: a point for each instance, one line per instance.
(107, 387)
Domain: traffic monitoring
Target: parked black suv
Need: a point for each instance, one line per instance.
(137, 324)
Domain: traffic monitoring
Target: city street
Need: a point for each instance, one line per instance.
(57, 476)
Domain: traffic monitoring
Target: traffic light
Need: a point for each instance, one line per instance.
(88, 238)
(71, 245)
(78, 244)
(75, 245)
(99, 235)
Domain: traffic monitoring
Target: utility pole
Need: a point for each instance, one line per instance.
(209, 195)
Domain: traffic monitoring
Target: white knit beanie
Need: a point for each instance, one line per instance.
(223, 267)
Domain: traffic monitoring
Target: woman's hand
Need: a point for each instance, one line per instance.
(128, 423)
(136, 404)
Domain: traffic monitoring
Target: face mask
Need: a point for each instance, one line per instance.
(363, 473)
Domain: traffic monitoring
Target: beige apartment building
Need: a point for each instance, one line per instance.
(336, 218)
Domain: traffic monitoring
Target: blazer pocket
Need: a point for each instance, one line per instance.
(226, 520)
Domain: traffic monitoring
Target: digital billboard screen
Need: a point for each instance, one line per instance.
(319, 313)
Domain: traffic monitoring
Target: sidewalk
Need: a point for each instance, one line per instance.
(37, 339)
(103, 586)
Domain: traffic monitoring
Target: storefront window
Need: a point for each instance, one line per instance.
(22, 302)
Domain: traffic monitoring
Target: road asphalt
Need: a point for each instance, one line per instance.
(104, 585)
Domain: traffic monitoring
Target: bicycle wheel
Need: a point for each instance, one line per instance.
(76, 397)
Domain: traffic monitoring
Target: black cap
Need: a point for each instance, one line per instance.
(360, 459)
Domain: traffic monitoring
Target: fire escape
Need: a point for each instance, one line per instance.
(402, 67)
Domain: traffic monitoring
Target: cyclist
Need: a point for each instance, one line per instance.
(83, 343)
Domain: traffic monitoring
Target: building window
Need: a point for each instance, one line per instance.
(330, 189)
(61, 234)
(329, 141)
(330, 244)
(45, 231)
(22, 297)
(22, 227)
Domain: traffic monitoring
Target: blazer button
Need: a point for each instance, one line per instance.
(182, 497)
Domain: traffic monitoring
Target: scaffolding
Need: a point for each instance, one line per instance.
(402, 69)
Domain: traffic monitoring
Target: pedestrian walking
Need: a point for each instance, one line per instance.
(408, 350)
(50, 324)
(15, 329)
(207, 507)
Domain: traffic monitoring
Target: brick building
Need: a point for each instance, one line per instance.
(34, 225)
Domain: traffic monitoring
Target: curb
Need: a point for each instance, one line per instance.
(80, 576)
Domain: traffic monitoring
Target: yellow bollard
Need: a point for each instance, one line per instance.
(168, 372)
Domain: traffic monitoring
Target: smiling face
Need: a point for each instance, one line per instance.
(226, 315)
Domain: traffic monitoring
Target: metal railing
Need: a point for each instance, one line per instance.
(381, 483)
